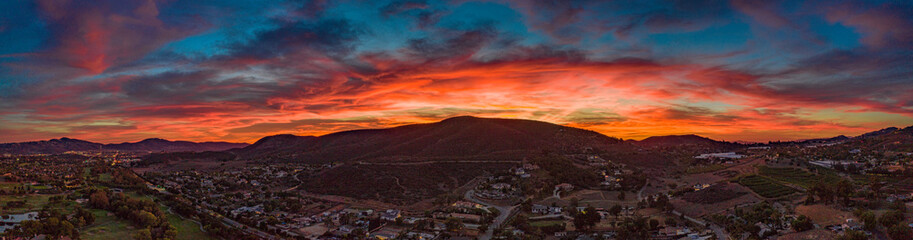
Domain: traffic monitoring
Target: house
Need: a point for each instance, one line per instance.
(420, 235)
(554, 210)
(467, 205)
(412, 220)
(726, 155)
(701, 186)
(852, 224)
(674, 231)
(390, 215)
(565, 186)
(764, 228)
(346, 229)
(898, 197)
(467, 217)
(385, 234)
(500, 186)
(537, 208)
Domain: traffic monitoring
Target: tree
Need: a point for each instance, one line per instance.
(852, 235)
(99, 199)
(802, 223)
(899, 231)
(891, 218)
(844, 189)
(621, 195)
(145, 219)
(66, 229)
(868, 220)
(453, 224)
(876, 186)
(143, 234)
(654, 224)
(615, 210)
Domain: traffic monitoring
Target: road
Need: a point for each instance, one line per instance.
(296, 185)
(719, 231)
(505, 212)
(431, 162)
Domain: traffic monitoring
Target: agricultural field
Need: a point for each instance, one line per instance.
(765, 187)
(713, 194)
(823, 215)
(795, 176)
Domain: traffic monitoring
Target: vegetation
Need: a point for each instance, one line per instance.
(705, 169)
(563, 170)
(765, 187)
(802, 223)
(144, 214)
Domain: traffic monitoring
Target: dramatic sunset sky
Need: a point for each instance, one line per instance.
(114, 71)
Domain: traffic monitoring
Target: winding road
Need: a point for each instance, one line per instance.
(505, 212)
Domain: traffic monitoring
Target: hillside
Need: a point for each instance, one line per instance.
(61, 145)
(683, 140)
(451, 139)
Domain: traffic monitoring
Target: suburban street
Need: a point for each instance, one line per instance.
(505, 212)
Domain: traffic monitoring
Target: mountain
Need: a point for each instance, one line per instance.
(825, 140)
(451, 139)
(879, 132)
(682, 140)
(61, 145)
(162, 145)
(49, 146)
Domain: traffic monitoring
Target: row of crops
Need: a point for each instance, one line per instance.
(795, 176)
(765, 187)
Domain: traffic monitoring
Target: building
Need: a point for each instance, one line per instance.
(390, 215)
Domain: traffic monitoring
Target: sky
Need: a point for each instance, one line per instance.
(222, 70)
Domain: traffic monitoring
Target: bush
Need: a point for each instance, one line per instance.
(802, 223)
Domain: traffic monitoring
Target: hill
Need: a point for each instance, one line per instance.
(55, 146)
(451, 139)
(682, 140)
(162, 145)
(49, 146)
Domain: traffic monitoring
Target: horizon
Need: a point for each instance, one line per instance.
(233, 71)
(625, 139)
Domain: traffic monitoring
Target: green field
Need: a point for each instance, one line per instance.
(111, 227)
(765, 187)
(107, 227)
(795, 176)
(9, 185)
(187, 230)
(32, 202)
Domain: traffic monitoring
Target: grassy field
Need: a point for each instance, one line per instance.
(187, 230)
(705, 169)
(107, 227)
(104, 177)
(32, 202)
(765, 187)
(9, 185)
(111, 227)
